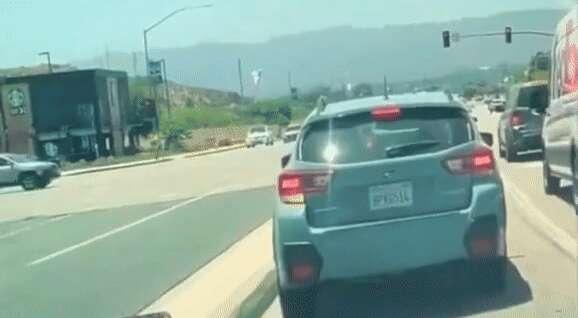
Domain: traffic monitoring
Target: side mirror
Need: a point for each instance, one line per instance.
(488, 139)
(285, 160)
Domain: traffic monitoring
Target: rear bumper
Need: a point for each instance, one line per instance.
(256, 142)
(389, 247)
(526, 140)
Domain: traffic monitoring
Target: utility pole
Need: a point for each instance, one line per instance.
(47, 54)
(167, 93)
(134, 64)
(240, 70)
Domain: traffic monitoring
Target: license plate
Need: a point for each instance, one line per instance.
(391, 196)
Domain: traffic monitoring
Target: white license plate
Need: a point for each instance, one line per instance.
(391, 196)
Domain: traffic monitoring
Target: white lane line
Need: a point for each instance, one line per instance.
(541, 222)
(34, 226)
(119, 229)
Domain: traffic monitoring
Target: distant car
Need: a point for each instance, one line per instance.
(291, 133)
(381, 186)
(520, 126)
(259, 135)
(26, 171)
(497, 105)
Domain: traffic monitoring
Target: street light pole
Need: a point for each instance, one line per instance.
(47, 54)
(145, 33)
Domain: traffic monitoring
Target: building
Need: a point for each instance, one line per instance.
(68, 115)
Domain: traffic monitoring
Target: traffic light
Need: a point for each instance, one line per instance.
(508, 35)
(294, 93)
(446, 39)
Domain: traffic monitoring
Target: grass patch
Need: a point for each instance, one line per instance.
(260, 299)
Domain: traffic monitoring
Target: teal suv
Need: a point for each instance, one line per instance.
(382, 186)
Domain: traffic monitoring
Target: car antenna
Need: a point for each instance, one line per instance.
(385, 88)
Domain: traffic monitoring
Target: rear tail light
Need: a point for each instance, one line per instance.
(517, 119)
(386, 113)
(293, 186)
(301, 273)
(303, 263)
(480, 161)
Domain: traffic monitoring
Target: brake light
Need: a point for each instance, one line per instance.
(481, 161)
(516, 119)
(293, 186)
(302, 273)
(392, 112)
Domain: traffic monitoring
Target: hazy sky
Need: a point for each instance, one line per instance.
(78, 29)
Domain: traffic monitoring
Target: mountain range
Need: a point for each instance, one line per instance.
(345, 54)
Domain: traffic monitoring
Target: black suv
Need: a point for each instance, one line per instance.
(520, 126)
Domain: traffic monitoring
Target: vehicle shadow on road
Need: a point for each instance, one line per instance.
(565, 194)
(419, 297)
(12, 190)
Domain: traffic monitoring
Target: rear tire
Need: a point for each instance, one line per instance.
(30, 181)
(551, 183)
(298, 303)
(511, 153)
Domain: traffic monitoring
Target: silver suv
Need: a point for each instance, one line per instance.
(27, 171)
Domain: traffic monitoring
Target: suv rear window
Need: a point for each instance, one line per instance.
(359, 138)
(535, 97)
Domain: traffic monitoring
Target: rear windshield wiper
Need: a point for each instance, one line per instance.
(405, 149)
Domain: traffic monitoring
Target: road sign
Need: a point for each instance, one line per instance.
(156, 71)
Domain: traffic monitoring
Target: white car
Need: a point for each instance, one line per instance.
(291, 133)
(260, 134)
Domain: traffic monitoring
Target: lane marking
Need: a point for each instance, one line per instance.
(120, 229)
(34, 226)
(541, 222)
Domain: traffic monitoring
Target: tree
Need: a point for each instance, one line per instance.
(362, 90)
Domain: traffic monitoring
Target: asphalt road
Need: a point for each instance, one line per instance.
(108, 244)
(542, 272)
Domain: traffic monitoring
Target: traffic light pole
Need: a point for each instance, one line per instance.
(456, 37)
(479, 35)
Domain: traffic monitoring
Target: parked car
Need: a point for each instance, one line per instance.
(560, 135)
(405, 185)
(259, 135)
(520, 126)
(291, 132)
(26, 171)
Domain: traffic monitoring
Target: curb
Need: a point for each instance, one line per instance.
(210, 152)
(260, 299)
(108, 168)
(146, 163)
